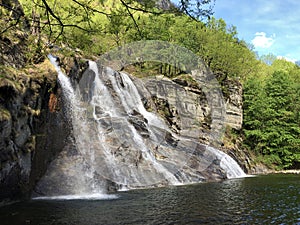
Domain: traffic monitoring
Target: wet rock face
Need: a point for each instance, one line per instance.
(27, 142)
(30, 134)
(15, 138)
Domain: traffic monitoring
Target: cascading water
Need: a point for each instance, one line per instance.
(80, 129)
(119, 143)
(75, 172)
(232, 168)
(130, 102)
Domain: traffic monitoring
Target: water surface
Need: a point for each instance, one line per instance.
(271, 199)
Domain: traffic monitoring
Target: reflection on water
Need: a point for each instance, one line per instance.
(94, 196)
(272, 199)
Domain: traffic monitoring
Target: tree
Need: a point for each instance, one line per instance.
(283, 128)
(268, 59)
(60, 16)
(255, 113)
(271, 123)
(12, 15)
(197, 9)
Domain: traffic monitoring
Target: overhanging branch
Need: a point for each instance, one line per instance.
(132, 17)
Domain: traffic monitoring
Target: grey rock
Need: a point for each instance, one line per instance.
(118, 143)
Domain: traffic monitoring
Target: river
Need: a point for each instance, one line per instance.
(265, 199)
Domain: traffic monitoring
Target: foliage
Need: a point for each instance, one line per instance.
(97, 26)
(271, 115)
(60, 18)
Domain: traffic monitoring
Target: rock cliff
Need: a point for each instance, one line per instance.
(35, 128)
(32, 128)
(32, 122)
(182, 102)
(183, 95)
(119, 142)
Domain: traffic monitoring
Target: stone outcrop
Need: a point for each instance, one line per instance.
(187, 99)
(234, 104)
(185, 108)
(32, 128)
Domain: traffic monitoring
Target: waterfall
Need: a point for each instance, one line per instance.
(229, 164)
(131, 102)
(117, 142)
(75, 172)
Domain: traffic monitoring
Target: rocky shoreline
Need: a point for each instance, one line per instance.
(270, 171)
(287, 171)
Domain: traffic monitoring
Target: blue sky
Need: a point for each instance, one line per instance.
(272, 26)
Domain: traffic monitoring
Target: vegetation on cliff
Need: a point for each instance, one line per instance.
(271, 88)
(271, 114)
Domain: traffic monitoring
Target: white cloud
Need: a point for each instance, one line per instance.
(287, 58)
(262, 41)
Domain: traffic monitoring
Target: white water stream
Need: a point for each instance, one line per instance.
(110, 146)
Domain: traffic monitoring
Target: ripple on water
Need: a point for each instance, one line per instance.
(271, 199)
(94, 196)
